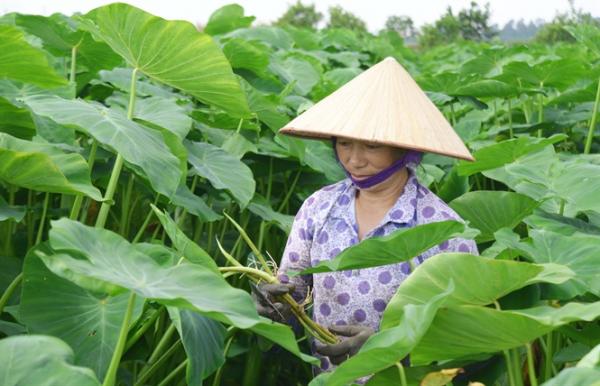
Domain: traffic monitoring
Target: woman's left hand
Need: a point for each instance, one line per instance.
(357, 336)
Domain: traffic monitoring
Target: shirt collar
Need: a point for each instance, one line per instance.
(402, 212)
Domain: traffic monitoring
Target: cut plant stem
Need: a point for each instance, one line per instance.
(312, 327)
(253, 247)
(111, 373)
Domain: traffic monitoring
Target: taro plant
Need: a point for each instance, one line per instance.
(142, 184)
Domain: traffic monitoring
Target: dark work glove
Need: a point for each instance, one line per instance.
(268, 303)
(357, 336)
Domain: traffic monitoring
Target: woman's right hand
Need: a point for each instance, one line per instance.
(268, 302)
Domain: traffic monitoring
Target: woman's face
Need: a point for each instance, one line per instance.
(363, 159)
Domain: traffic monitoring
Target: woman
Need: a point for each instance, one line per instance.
(378, 122)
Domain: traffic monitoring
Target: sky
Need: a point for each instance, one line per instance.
(374, 12)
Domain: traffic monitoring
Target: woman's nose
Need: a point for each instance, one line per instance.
(356, 157)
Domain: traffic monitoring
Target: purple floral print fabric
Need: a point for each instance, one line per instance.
(325, 225)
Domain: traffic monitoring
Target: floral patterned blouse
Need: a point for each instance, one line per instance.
(326, 224)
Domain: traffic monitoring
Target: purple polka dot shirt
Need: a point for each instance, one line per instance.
(326, 224)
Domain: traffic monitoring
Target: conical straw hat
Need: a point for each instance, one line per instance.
(382, 105)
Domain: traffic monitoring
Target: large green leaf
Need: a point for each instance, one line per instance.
(15, 91)
(487, 88)
(462, 331)
(195, 205)
(578, 251)
(223, 170)
(296, 70)
(140, 146)
(401, 245)
(496, 155)
(44, 167)
(42, 361)
(544, 176)
(227, 18)
(189, 249)
(89, 323)
(587, 34)
(387, 347)
(60, 37)
(575, 377)
(262, 208)
(274, 36)
(489, 211)
(20, 61)
(319, 156)
(57, 35)
(113, 265)
(171, 52)
(203, 341)
(16, 121)
(478, 281)
(159, 111)
(554, 73)
(120, 78)
(11, 211)
(250, 55)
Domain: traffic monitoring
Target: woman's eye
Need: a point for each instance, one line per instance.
(371, 147)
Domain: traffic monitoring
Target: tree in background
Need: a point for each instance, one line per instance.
(300, 15)
(555, 32)
(340, 18)
(469, 24)
(403, 25)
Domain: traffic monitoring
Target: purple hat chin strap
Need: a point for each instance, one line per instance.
(411, 156)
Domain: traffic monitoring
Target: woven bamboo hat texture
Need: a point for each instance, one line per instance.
(381, 105)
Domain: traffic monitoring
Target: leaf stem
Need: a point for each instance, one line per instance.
(510, 122)
(289, 192)
(590, 135)
(142, 229)
(401, 373)
(532, 378)
(253, 247)
(164, 340)
(516, 363)
(73, 72)
(110, 192)
(111, 373)
(9, 291)
(174, 373)
(548, 348)
(38, 239)
(142, 330)
(144, 375)
(114, 176)
(125, 207)
(217, 378)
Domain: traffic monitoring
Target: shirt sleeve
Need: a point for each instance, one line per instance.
(296, 255)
